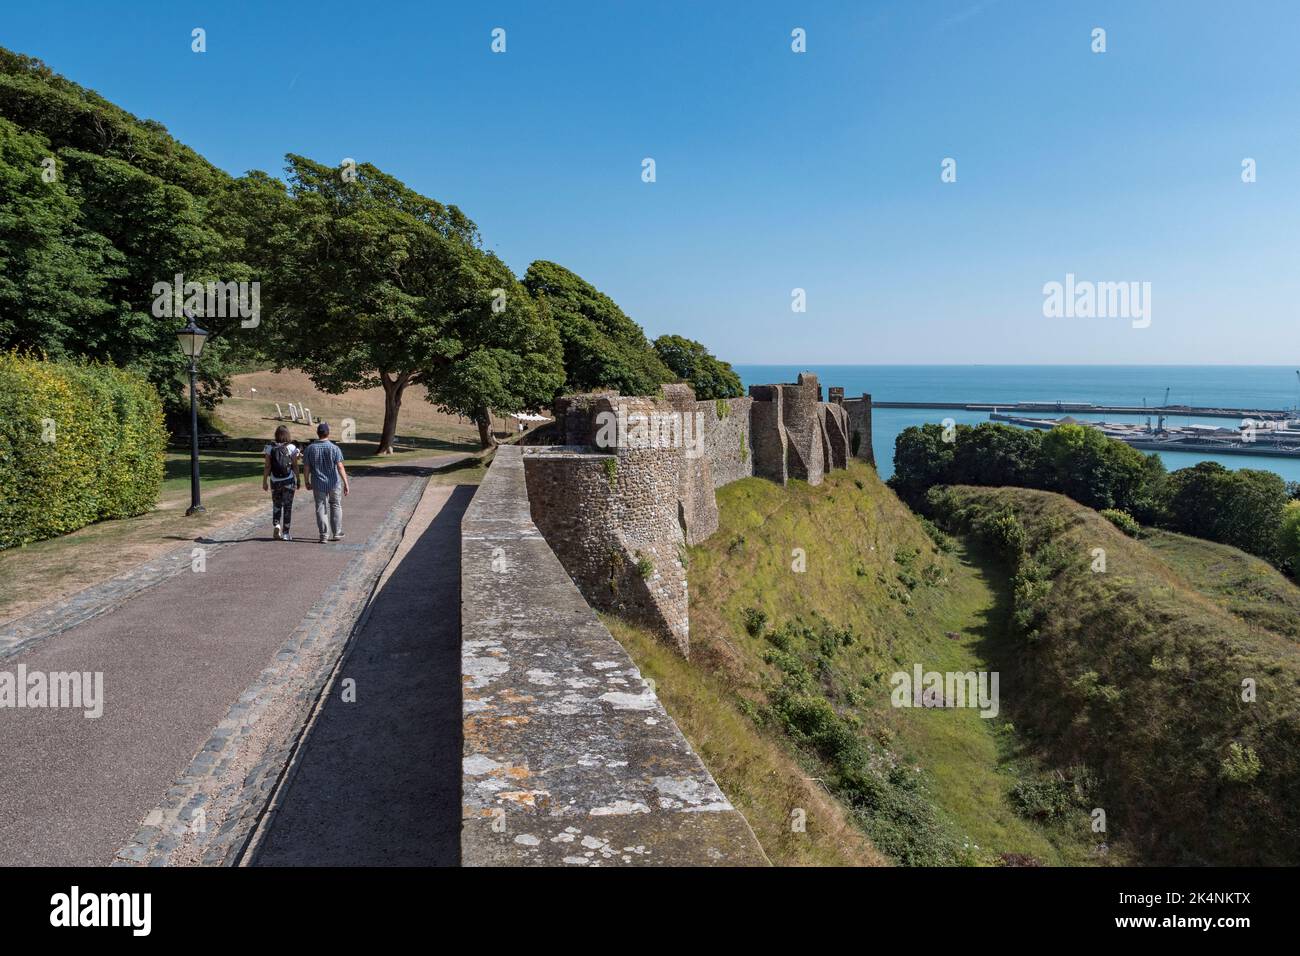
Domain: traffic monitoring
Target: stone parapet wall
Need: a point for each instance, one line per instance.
(569, 758)
(805, 450)
(836, 428)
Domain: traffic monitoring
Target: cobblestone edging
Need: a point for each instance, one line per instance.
(67, 613)
(210, 812)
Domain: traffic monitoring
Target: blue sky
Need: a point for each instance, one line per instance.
(778, 170)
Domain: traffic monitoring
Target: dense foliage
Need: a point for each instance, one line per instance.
(96, 206)
(377, 285)
(690, 361)
(362, 281)
(79, 442)
(603, 348)
(1177, 697)
(1243, 508)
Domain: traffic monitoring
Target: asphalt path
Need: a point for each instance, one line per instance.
(174, 659)
(377, 781)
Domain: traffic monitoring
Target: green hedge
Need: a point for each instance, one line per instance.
(78, 443)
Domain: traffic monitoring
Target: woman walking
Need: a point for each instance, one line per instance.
(281, 474)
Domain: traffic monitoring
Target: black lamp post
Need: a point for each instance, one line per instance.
(191, 339)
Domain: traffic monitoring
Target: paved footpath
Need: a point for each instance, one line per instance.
(378, 779)
(202, 672)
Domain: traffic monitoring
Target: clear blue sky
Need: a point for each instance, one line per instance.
(779, 170)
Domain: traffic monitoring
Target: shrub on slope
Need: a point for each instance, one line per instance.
(1127, 667)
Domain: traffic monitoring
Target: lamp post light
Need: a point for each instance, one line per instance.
(191, 340)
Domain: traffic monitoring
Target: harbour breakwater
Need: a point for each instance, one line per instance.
(1204, 411)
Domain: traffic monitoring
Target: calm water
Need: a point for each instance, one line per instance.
(1235, 386)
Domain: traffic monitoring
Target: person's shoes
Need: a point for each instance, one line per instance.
(277, 533)
(338, 537)
(322, 539)
(286, 537)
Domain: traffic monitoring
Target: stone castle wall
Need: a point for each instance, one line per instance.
(613, 520)
(727, 439)
(859, 416)
(619, 507)
(767, 436)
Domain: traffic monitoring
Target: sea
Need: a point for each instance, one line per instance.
(1229, 386)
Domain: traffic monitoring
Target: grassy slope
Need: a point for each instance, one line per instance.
(759, 775)
(1136, 673)
(852, 528)
(1242, 584)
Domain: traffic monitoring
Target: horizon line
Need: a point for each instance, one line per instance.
(1026, 364)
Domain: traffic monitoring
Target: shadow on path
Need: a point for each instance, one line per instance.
(378, 781)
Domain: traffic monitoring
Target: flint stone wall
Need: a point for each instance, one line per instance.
(613, 521)
(727, 441)
(767, 435)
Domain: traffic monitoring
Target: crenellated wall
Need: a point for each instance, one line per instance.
(619, 503)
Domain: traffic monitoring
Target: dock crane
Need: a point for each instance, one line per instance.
(1160, 421)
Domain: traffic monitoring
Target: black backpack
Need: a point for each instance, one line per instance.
(281, 462)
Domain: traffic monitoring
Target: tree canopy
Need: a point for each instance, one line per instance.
(363, 281)
(366, 272)
(1243, 508)
(603, 348)
(96, 207)
(695, 365)
(503, 353)
(1246, 508)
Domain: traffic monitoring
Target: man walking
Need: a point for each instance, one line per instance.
(327, 480)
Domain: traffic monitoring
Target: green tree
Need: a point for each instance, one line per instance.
(1092, 468)
(995, 454)
(368, 277)
(694, 364)
(922, 459)
(52, 271)
(603, 348)
(98, 206)
(1289, 536)
(502, 351)
(1243, 508)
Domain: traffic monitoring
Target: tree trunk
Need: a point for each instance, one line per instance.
(483, 418)
(393, 389)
